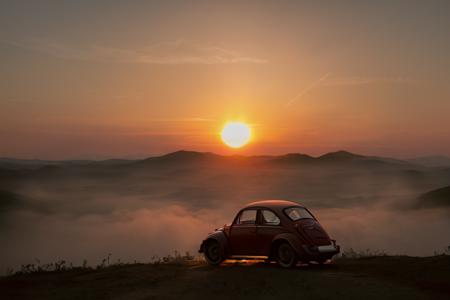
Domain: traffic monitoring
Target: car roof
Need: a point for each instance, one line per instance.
(272, 203)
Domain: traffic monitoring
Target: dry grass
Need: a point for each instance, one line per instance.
(184, 276)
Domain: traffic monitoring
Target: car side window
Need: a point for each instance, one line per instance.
(269, 218)
(247, 217)
(297, 213)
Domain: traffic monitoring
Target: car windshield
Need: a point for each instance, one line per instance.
(297, 213)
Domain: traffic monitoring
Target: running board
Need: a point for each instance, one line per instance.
(248, 257)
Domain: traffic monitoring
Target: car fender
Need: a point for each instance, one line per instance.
(290, 238)
(220, 237)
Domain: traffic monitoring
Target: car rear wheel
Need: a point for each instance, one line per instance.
(213, 252)
(286, 256)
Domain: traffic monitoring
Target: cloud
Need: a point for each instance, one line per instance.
(176, 120)
(137, 210)
(167, 53)
(307, 89)
(340, 81)
(326, 80)
(391, 231)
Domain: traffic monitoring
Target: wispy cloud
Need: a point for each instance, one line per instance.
(167, 53)
(308, 89)
(188, 119)
(340, 81)
(327, 80)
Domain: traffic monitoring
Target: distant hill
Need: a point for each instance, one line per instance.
(33, 164)
(435, 198)
(432, 161)
(292, 158)
(340, 156)
(184, 157)
(13, 163)
(7, 200)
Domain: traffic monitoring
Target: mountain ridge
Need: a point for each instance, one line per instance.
(190, 157)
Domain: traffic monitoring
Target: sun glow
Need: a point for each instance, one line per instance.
(236, 134)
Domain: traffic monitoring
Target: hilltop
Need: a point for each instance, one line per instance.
(187, 157)
(438, 197)
(395, 277)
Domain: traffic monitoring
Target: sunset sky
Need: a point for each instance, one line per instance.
(125, 79)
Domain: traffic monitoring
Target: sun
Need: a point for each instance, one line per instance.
(235, 134)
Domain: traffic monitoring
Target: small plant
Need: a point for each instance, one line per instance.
(446, 251)
(351, 253)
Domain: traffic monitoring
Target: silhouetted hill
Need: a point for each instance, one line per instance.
(202, 159)
(13, 163)
(34, 164)
(436, 198)
(6, 173)
(293, 158)
(340, 156)
(182, 161)
(184, 157)
(432, 161)
(7, 200)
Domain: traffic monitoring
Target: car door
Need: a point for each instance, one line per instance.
(243, 233)
(269, 225)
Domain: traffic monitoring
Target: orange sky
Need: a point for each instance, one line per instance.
(103, 79)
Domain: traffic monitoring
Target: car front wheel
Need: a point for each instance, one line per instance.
(213, 252)
(286, 256)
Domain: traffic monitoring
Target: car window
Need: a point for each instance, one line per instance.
(269, 218)
(297, 213)
(247, 217)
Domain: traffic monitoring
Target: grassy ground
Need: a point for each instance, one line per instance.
(389, 277)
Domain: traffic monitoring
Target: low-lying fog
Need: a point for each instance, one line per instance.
(135, 213)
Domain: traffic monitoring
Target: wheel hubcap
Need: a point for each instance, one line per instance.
(285, 254)
(213, 252)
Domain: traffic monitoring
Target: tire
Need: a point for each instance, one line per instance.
(285, 256)
(213, 252)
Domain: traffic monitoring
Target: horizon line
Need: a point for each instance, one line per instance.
(143, 157)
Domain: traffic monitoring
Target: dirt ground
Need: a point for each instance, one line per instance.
(390, 277)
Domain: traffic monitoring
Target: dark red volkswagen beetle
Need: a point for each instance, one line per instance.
(277, 230)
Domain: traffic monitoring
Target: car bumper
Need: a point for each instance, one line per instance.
(324, 251)
(328, 249)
